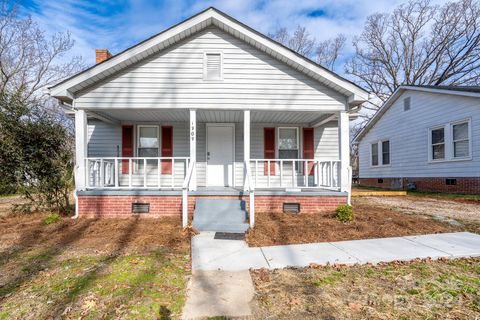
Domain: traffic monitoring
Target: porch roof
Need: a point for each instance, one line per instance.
(228, 116)
(67, 89)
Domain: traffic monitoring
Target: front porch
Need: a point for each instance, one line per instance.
(267, 158)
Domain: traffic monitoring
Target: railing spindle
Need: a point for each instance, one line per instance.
(158, 173)
(173, 173)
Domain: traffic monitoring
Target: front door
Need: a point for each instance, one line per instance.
(220, 154)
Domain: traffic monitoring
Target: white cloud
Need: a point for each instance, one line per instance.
(116, 27)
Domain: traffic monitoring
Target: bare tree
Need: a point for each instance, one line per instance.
(419, 44)
(300, 41)
(329, 50)
(29, 60)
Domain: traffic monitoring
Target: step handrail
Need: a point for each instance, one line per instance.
(185, 187)
(250, 188)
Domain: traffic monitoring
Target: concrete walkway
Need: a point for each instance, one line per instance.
(233, 255)
(221, 284)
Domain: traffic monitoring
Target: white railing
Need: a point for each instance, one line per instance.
(136, 172)
(185, 187)
(250, 188)
(295, 173)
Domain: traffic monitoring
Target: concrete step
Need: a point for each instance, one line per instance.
(223, 215)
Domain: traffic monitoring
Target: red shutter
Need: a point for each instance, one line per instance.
(167, 149)
(269, 149)
(308, 148)
(127, 146)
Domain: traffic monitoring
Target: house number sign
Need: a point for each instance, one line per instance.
(192, 131)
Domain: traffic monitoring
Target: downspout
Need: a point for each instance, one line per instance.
(75, 216)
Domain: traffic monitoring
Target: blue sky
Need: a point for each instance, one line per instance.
(117, 25)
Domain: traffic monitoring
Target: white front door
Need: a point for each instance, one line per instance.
(220, 154)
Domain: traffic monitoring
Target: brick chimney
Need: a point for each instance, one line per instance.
(101, 55)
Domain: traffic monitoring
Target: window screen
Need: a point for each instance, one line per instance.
(288, 143)
(148, 141)
(460, 140)
(438, 144)
(386, 152)
(375, 154)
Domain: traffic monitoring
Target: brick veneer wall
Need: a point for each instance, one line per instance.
(467, 185)
(121, 206)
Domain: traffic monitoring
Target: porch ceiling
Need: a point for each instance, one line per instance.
(182, 115)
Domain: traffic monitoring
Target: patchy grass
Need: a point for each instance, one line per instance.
(415, 290)
(90, 269)
(51, 218)
(447, 196)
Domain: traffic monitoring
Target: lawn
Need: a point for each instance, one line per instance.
(447, 289)
(90, 269)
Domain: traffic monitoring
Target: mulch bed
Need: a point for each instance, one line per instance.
(370, 222)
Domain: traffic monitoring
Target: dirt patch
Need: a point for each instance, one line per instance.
(132, 235)
(371, 221)
(455, 209)
(415, 290)
(7, 203)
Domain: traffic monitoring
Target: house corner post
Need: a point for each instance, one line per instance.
(344, 153)
(80, 149)
(246, 143)
(193, 147)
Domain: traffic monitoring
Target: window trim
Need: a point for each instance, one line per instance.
(380, 153)
(430, 144)
(298, 141)
(137, 147)
(205, 53)
(449, 146)
(469, 138)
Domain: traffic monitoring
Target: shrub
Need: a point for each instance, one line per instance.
(344, 213)
(51, 218)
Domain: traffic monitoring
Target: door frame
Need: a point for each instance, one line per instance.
(220, 124)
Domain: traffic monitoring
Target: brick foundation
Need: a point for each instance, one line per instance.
(121, 206)
(466, 185)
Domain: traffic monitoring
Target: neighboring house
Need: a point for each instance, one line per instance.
(208, 109)
(424, 137)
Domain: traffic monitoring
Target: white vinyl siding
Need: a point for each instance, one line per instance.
(410, 137)
(104, 139)
(174, 78)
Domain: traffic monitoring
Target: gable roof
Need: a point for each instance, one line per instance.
(467, 91)
(66, 90)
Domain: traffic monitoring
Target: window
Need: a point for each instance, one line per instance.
(438, 144)
(212, 66)
(147, 141)
(461, 142)
(386, 152)
(406, 104)
(288, 143)
(375, 154)
(451, 141)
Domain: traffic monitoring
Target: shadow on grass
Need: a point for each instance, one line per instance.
(43, 260)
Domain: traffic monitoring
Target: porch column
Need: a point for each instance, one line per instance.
(193, 148)
(344, 145)
(80, 148)
(246, 142)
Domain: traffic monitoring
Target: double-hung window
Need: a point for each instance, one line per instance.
(380, 153)
(451, 141)
(438, 143)
(460, 140)
(148, 141)
(288, 144)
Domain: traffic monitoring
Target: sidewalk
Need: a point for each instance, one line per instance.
(233, 255)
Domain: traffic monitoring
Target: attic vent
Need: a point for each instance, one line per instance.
(213, 66)
(140, 207)
(406, 104)
(291, 207)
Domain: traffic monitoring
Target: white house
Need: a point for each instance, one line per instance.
(209, 109)
(424, 137)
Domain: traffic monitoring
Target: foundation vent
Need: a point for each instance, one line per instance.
(140, 207)
(291, 207)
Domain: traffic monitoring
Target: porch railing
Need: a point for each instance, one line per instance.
(295, 173)
(136, 172)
